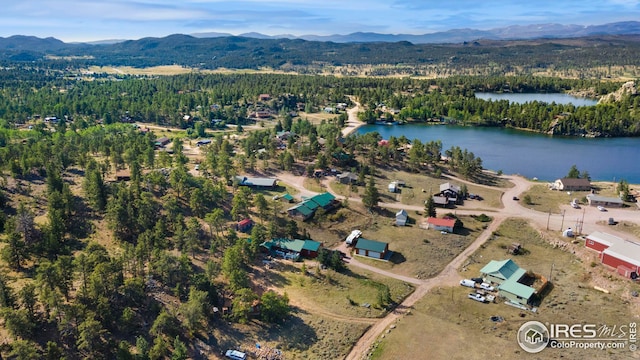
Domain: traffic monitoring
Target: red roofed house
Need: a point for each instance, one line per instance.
(264, 97)
(446, 224)
(622, 255)
(245, 225)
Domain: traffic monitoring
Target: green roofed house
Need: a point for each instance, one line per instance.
(515, 283)
(293, 248)
(308, 206)
(499, 271)
(371, 248)
(287, 197)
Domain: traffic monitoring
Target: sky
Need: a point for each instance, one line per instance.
(91, 20)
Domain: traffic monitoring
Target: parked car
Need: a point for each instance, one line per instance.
(476, 297)
(468, 283)
(515, 198)
(477, 280)
(235, 355)
(601, 208)
(487, 286)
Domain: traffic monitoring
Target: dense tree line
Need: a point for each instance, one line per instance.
(231, 98)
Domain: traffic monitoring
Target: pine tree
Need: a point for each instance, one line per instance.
(371, 195)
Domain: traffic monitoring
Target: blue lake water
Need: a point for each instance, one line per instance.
(548, 98)
(530, 154)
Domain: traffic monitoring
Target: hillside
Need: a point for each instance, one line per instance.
(301, 55)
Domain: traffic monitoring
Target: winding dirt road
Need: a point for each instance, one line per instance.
(591, 218)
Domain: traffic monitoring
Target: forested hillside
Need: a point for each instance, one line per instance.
(593, 56)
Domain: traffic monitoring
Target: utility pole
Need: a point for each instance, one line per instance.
(548, 218)
(562, 223)
(551, 272)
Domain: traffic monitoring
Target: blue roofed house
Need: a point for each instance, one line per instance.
(514, 283)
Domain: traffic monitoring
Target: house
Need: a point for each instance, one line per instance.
(401, 218)
(445, 224)
(450, 192)
(264, 97)
(244, 225)
(514, 283)
(371, 248)
(620, 254)
(596, 200)
(441, 201)
(123, 175)
(256, 182)
(347, 178)
(293, 248)
(499, 271)
(572, 184)
(203, 142)
(305, 209)
(162, 142)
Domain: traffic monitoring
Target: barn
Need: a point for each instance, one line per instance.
(371, 248)
(620, 254)
(599, 241)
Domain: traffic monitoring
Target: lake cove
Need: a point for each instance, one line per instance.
(521, 98)
(530, 154)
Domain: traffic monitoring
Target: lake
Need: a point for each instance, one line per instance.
(530, 154)
(520, 98)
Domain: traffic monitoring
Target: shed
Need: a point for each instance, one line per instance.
(371, 248)
(393, 187)
(287, 197)
(401, 218)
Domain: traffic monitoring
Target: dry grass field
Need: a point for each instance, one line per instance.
(418, 187)
(447, 325)
(418, 252)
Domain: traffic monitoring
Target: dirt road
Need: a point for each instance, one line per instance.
(352, 123)
(592, 220)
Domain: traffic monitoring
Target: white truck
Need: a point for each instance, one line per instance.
(355, 234)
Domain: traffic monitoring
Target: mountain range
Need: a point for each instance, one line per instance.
(515, 32)
(455, 36)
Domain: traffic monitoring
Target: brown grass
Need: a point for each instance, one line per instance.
(446, 313)
(418, 252)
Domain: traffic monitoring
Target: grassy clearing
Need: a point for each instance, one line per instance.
(419, 186)
(342, 294)
(418, 252)
(304, 336)
(314, 184)
(445, 319)
(545, 200)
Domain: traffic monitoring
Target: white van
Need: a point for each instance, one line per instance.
(235, 355)
(468, 283)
